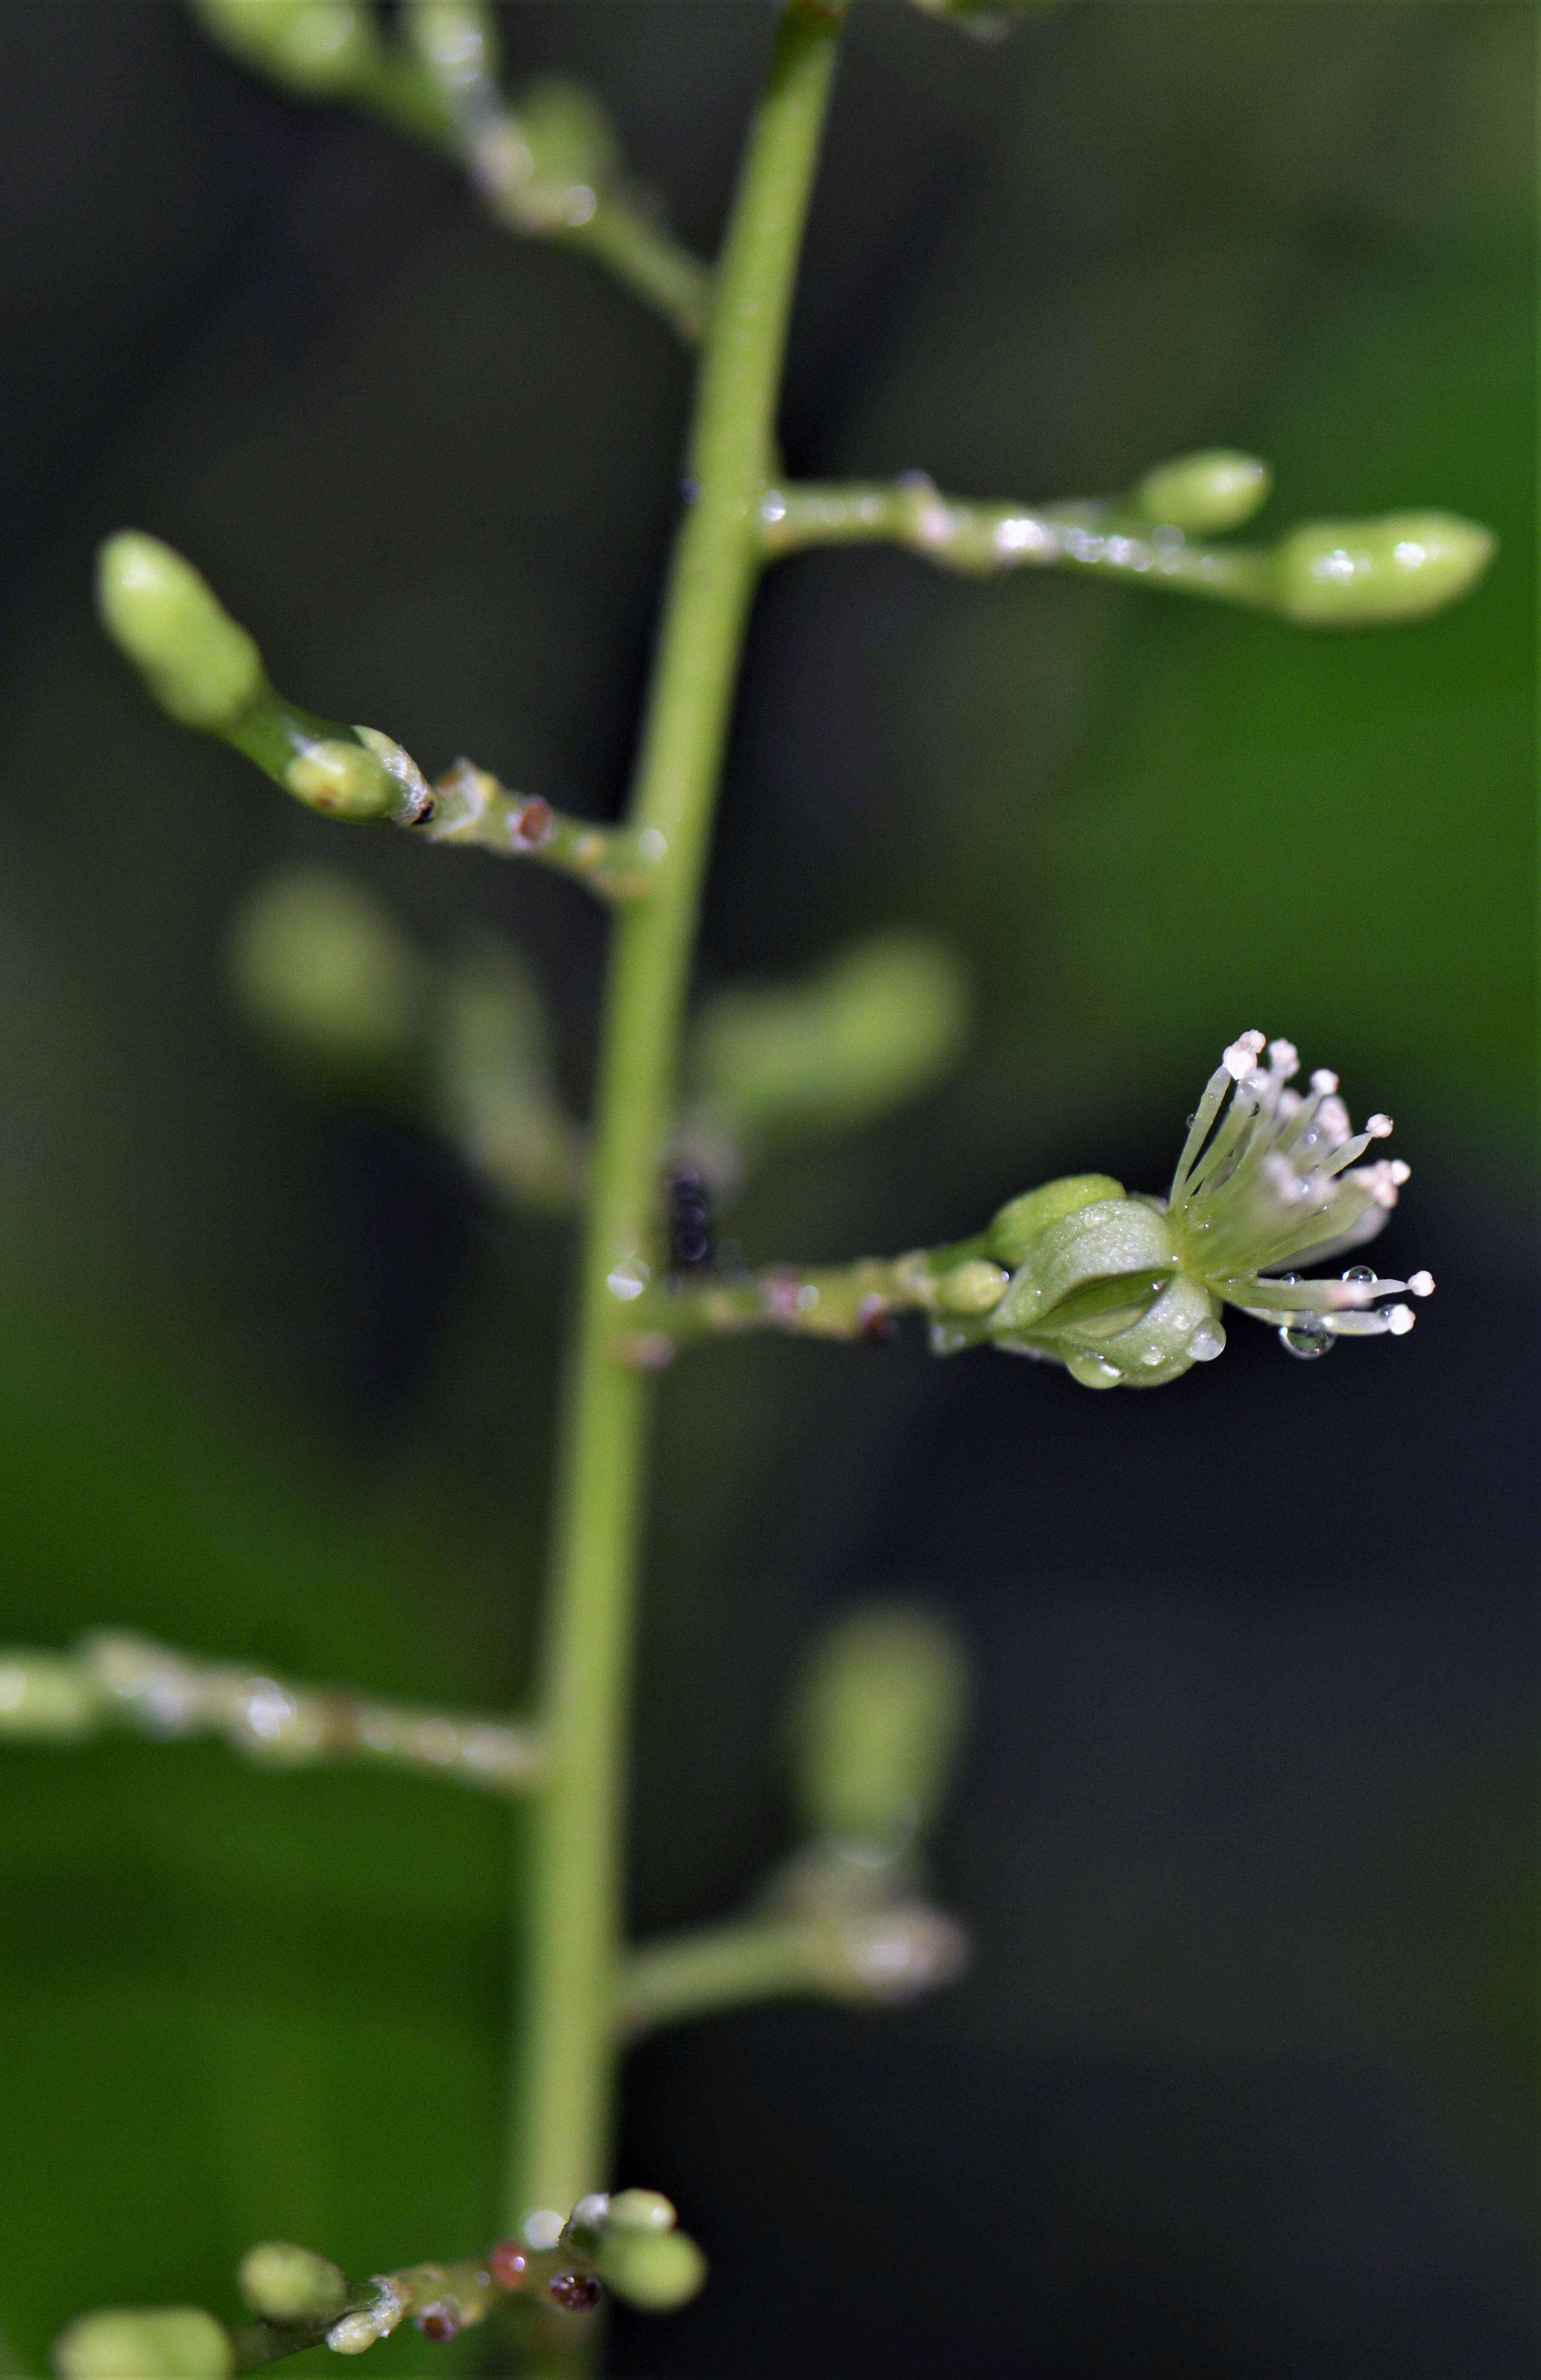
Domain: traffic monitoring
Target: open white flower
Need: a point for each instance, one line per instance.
(1128, 1290)
(1269, 1177)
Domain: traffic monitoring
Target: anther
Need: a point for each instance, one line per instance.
(1243, 1055)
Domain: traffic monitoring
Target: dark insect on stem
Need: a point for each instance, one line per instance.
(688, 1207)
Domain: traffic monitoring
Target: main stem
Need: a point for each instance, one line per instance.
(562, 2115)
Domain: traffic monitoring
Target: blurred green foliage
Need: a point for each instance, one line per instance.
(434, 471)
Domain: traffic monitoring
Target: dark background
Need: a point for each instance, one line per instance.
(1241, 2082)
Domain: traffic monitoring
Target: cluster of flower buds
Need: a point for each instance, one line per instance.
(1128, 1290)
(628, 2243)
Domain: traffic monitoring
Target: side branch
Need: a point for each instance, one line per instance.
(877, 1957)
(203, 669)
(545, 165)
(853, 1301)
(470, 806)
(127, 1680)
(1323, 574)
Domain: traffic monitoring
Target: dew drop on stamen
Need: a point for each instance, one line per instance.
(1305, 1340)
(1360, 1273)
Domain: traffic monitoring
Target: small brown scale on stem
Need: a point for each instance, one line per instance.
(508, 2265)
(534, 824)
(440, 2321)
(574, 2293)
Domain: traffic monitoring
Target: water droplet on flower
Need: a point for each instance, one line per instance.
(1206, 1343)
(1094, 1371)
(1306, 1340)
(1360, 1272)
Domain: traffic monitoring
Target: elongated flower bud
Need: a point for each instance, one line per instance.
(456, 40)
(1202, 493)
(320, 48)
(570, 135)
(204, 668)
(876, 1725)
(47, 1698)
(640, 2210)
(877, 1026)
(158, 2343)
(198, 663)
(288, 2284)
(1353, 574)
(322, 968)
(654, 2271)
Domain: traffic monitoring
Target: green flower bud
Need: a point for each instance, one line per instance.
(197, 662)
(569, 134)
(890, 1953)
(287, 2284)
(973, 1287)
(341, 778)
(875, 1725)
(163, 2343)
(654, 2271)
(47, 1698)
(1202, 493)
(1013, 1229)
(317, 47)
(641, 2210)
(1354, 574)
(320, 966)
(494, 1095)
(877, 1026)
(456, 40)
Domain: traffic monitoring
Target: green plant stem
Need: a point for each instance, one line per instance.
(560, 2143)
(648, 262)
(471, 807)
(118, 1679)
(852, 1300)
(983, 539)
(720, 1966)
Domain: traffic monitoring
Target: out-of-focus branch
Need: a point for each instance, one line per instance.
(121, 1680)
